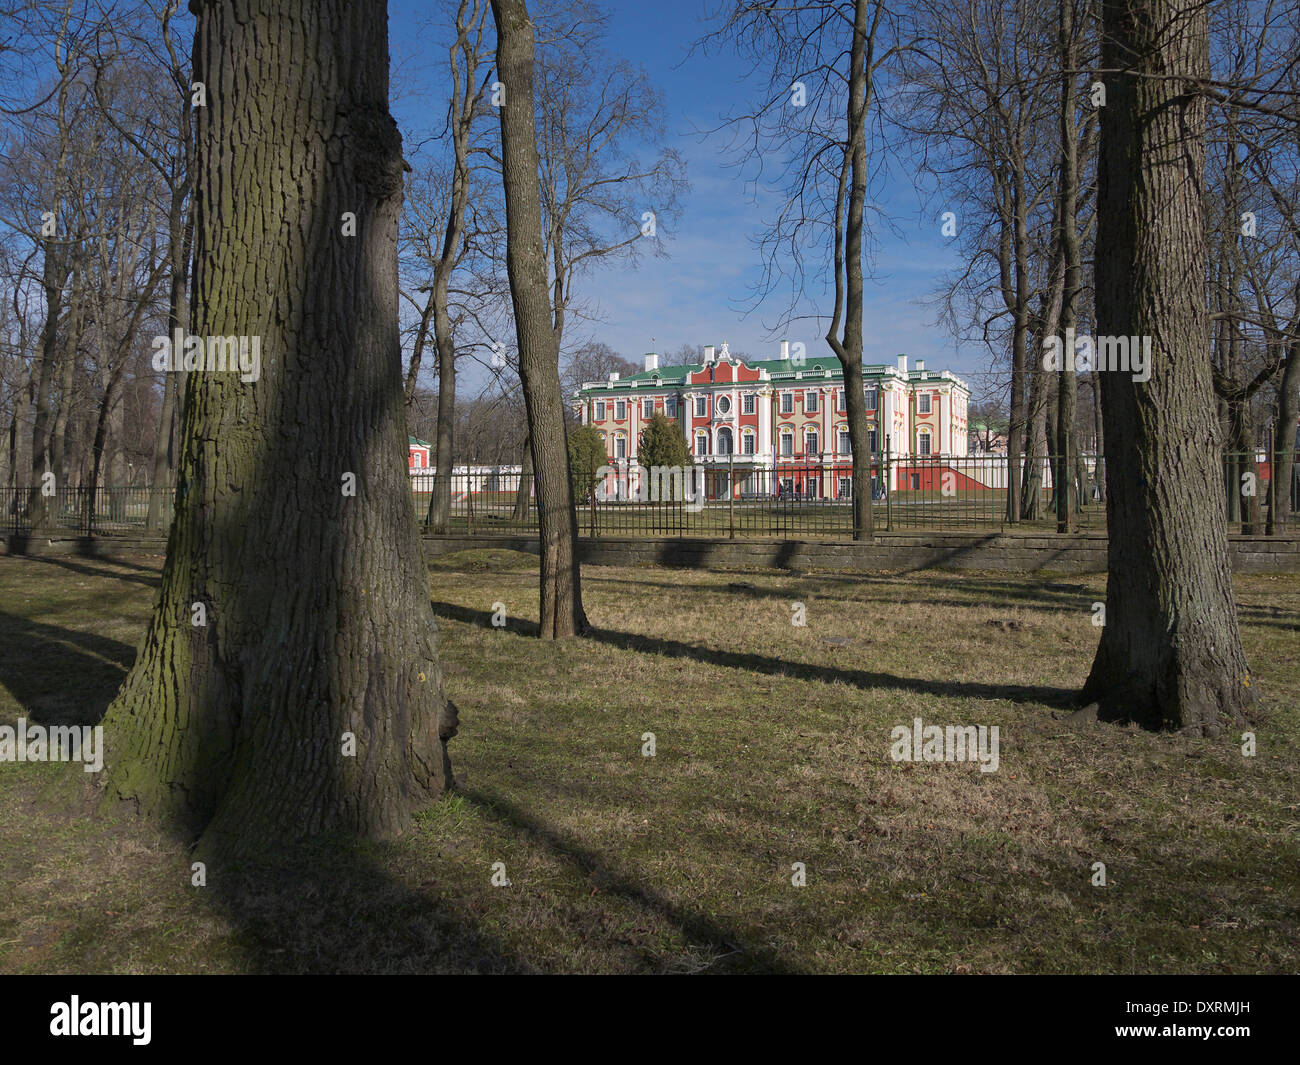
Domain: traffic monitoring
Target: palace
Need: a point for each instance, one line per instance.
(784, 415)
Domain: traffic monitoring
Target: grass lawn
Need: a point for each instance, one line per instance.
(773, 747)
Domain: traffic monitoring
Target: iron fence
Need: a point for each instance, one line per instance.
(730, 497)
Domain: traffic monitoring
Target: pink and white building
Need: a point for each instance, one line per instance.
(782, 415)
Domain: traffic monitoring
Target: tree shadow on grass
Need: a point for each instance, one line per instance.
(328, 907)
(703, 932)
(1058, 698)
(149, 577)
(57, 676)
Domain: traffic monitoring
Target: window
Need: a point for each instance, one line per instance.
(701, 406)
(871, 441)
(620, 446)
(417, 459)
(620, 410)
(846, 447)
(747, 403)
(872, 398)
(701, 443)
(723, 403)
(787, 402)
(600, 410)
(724, 441)
(810, 442)
(841, 401)
(647, 408)
(845, 490)
(923, 443)
(670, 406)
(923, 403)
(747, 442)
(810, 402)
(787, 442)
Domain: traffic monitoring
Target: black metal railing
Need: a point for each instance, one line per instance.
(727, 497)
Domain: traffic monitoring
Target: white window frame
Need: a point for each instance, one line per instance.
(747, 403)
(701, 406)
(924, 435)
(810, 402)
(600, 410)
(722, 404)
(670, 406)
(923, 405)
(787, 451)
(816, 439)
(872, 396)
(748, 442)
(701, 443)
(620, 409)
(844, 441)
(647, 408)
(787, 402)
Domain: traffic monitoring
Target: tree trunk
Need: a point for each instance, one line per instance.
(1284, 441)
(1170, 654)
(561, 612)
(180, 225)
(440, 503)
(318, 632)
(1099, 458)
(848, 266)
(1067, 210)
(54, 277)
(524, 491)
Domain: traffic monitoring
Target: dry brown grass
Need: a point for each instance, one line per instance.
(772, 748)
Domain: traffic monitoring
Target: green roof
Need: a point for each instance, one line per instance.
(415, 441)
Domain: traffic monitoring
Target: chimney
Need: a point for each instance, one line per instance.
(612, 377)
(920, 365)
(902, 365)
(708, 354)
(785, 349)
(651, 361)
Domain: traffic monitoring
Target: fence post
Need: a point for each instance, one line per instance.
(889, 488)
(731, 496)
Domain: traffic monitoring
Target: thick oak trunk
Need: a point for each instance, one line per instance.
(1170, 654)
(318, 630)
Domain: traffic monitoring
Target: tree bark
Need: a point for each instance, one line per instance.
(318, 631)
(848, 264)
(1067, 211)
(1284, 441)
(1170, 654)
(561, 612)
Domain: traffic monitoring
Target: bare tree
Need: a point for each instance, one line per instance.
(561, 612)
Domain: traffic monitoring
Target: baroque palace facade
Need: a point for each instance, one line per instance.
(778, 425)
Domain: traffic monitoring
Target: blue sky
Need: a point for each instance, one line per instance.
(702, 292)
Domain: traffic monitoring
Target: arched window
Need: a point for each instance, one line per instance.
(787, 441)
(845, 441)
(747, 440)
(923, 442)
(620, 446)
(810, 442)
(701, 442)
(724, 440)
